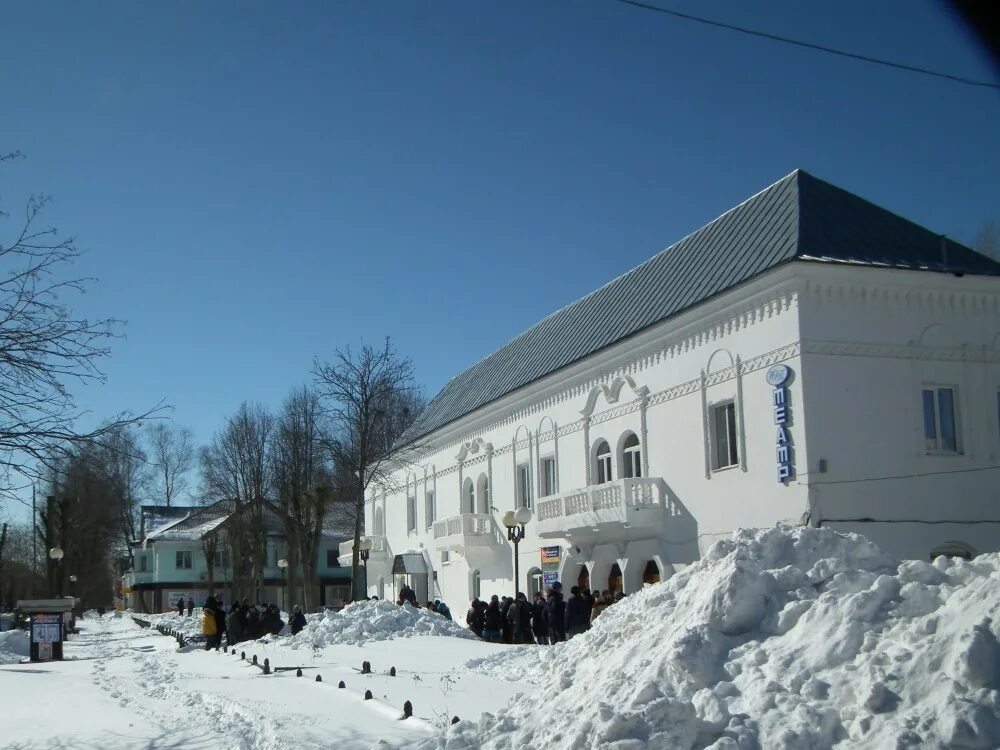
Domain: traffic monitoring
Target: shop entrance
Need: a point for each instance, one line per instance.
(615, 580)
(652, 573)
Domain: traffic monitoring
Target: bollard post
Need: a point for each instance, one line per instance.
(454, 720)
(255, 660)
(341, 684)
(392, 671)
(267, 667)
(368, 695)
(319, 678)
(267, 663)
(407, 710)
(298, 672)
(243, 655)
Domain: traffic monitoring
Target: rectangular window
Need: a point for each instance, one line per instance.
(143, 563)
(549, 484)
(523, 486)
(331, 559)
(411, 512)
(940, 420)
(445, 558)
(217, 559)
(429, 510)
(183, 560)
(724, 446)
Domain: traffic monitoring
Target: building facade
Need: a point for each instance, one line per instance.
(807, 358)
(170, 561)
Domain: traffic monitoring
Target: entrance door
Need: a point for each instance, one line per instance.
(615, 579)
(583, 580)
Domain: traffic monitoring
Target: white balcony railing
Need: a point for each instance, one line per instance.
(624, 509)
(467, 524)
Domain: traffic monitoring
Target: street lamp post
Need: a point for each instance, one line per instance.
(515, 521)
(365, 551)
(56, 554)
(72, 586)
(283, 564)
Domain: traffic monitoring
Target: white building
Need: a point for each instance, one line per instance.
(806, 357)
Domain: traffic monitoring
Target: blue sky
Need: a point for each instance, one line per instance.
(258, 183)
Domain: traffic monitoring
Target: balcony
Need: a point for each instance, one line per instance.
(380, 552)
(621, 511)
(475, 535)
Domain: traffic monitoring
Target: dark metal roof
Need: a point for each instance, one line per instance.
(799, 217)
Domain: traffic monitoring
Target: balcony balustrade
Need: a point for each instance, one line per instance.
(620, 511)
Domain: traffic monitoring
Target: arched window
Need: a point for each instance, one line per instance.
(483, 494)
(534, 582)
(602, 454)
(475, 584)
(652, 573)
(631, 462)
(469, 497)
(583, 579)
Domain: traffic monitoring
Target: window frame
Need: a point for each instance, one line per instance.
(332, 553)
(732, 435)
(631, 457)
(523, 487)
(548, 489)
(602, 461)
(411, 513)
(430, 508)
(935, 391)
(183, 556)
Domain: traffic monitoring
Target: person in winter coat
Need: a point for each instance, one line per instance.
(474, 617)
(180, 607)
(234, 628)
(190, 607)
(576, 613)
(271, 622)
(555, 613)
(539, 627)
(220, 621)
(442, 609)
(512, 633)
(505, 625)
(591, 601)
(525, 611)
(209, 625)
(492, 621)
(298, 619)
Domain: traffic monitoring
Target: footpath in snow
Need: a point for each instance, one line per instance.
(784, 638)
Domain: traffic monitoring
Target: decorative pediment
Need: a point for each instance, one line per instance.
(612, 392)
(473, 447)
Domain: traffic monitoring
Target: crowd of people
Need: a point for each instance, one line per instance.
(548, 619)
(244, 621)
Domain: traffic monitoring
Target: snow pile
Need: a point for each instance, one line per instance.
(15, 645)
(779, 638)
(361, 622)
(187, 626)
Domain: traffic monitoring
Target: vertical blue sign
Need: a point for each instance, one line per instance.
(777, 377)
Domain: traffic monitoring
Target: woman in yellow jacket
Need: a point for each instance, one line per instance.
(209, 625)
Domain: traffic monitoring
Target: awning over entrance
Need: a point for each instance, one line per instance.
(409, 562)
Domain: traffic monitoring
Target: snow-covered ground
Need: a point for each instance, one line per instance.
(783, 638)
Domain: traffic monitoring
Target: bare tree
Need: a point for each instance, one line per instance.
(301, 480)
(171, 457)
(43, 347)
(235, 467)
(367, 396)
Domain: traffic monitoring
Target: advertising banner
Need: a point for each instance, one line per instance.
(550, 555)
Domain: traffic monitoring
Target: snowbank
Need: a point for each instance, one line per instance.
(362, 622)
(15, 645)
(782, 638)
(187, 626)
